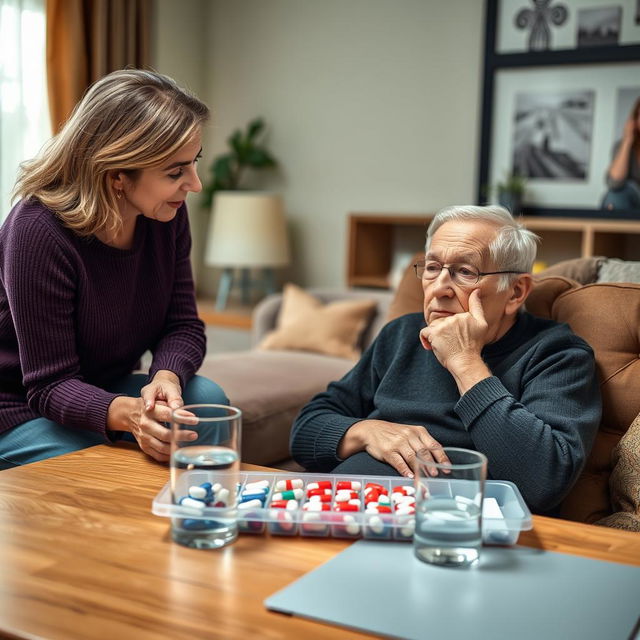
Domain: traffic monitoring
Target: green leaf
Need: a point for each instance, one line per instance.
(236, 141)
(223, 168)
(260, 158)
(254, 128)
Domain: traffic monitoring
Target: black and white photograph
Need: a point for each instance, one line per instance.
(599, 27)
(552, 135)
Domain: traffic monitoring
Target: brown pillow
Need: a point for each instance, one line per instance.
(606, 316)
(544, 294)
(582, 270)
(624, 482)
(307, 324)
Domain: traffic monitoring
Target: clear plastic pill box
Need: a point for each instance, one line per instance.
(503, 530)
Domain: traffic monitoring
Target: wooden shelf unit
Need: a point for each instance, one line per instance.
(375, 239)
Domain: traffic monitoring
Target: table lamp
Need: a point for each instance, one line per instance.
(247, 230)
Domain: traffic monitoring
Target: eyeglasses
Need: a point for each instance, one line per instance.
(463, 275)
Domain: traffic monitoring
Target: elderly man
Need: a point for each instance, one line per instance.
(475, 371)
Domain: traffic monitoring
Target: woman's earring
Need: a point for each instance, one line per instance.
(119, 194)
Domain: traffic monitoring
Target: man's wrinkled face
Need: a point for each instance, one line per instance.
(466, 245)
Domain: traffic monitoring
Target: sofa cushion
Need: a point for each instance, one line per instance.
(544, 293)
(607, 317)
(582, 270)
(624, 484)
(306, 324)
(271, 387)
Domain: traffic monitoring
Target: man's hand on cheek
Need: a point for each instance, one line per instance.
(460, 337)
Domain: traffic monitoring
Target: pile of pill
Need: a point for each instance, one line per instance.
(253, 495)
(205, 495)
(285, 499)
(198, 498)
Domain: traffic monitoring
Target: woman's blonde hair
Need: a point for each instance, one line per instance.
(127, 121)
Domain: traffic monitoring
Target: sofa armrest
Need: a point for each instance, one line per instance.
(264, 317)
(265, 314)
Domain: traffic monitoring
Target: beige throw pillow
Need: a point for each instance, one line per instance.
(307, 324)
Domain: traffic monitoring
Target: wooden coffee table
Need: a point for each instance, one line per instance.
(82, 556)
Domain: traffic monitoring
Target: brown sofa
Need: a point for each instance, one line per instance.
(271, 386)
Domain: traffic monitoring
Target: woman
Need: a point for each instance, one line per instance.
(623, 175)
(94, 271)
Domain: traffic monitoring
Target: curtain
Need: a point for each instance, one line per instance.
(86, 39)
(24, 121)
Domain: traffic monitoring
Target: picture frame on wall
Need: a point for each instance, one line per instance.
(554, 116)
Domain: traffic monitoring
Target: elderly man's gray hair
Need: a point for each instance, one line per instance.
(513, 248)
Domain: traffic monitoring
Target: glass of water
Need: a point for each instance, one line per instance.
(449, 498)
(204, 474)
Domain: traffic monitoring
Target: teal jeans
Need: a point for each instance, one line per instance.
(41, 438)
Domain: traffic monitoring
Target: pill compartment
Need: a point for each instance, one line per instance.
(252, 520)
(516, 514)
(316, 523)
(282, 522)
(503, 530)
(403, 524)
(348, 524)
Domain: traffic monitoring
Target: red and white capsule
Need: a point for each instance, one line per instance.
(343, 496)
(324, 498)
(405, 490)
(352, 485)
(316, 506)
(321, 484)
(289, 483)
(285, 504)
(318, 492)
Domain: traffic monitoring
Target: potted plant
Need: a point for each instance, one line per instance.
(245, 151)
(511, 192)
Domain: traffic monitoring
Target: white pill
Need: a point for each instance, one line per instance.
(376, 525)
(351, 526)
(256, 486)
(199, 493)
(250, 504)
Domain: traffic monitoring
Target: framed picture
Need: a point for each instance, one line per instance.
(554, 116)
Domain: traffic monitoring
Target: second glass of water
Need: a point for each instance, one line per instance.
(204, 474)
(449, 494)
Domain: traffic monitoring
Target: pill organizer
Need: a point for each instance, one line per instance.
(497, 528)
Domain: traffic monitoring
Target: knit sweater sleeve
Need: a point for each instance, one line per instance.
(182, 346)
(41, 292)
(322, 423)
(541, 441)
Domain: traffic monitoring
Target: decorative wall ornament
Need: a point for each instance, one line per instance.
(538, 20)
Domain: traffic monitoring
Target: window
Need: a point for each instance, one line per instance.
(24, 114)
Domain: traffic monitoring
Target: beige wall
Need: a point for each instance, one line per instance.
(372, 105)
(179, 39)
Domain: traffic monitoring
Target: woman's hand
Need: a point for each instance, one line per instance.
(164, 386)
(629, 130)
(148, 417)
(395, 444)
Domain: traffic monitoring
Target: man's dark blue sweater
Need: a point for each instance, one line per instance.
(535, 419)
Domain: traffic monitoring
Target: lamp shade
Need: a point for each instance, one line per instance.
(247, 229)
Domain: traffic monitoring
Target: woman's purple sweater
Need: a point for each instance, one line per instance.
(76, 315)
